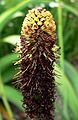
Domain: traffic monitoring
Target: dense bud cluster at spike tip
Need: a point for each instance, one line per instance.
(37, 57)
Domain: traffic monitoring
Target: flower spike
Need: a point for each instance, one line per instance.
(36, 47)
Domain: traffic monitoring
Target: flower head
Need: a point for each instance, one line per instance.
(38, 19)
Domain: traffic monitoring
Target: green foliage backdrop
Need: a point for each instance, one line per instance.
(66, 16)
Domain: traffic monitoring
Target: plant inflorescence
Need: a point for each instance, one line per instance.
(36, 76)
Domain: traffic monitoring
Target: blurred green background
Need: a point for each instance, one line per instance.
(12, 13)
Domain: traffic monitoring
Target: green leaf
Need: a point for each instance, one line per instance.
(35, 2)
(8, 60)
(7, 15)
(70, 8)
(72, 75)
(59, 110)
(13, 39)
(58, 78)
(70, 98)
(67, 91)
(8, 73)
(18, 14)
(14, 96)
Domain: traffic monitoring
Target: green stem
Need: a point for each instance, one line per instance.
(60, 38)
(3, 95)
(71, 9)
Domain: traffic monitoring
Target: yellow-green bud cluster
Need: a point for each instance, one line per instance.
(38, 18)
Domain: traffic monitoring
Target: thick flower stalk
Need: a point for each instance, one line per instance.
(36, 76)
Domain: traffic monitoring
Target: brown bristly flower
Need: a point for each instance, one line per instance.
(37, 77)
